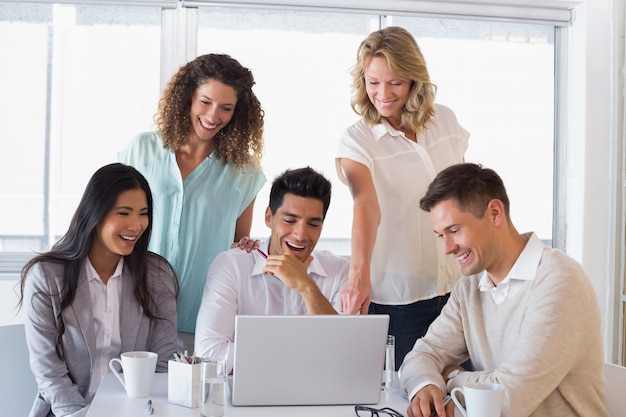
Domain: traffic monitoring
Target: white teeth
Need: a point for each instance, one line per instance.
(207, 126)
(463, 257)
(295, 246)
(130, 238)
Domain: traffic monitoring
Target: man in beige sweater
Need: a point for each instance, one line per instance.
(525, 315)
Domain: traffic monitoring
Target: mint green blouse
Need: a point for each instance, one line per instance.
(194, 219)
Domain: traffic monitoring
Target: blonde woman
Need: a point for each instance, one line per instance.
(387, 159)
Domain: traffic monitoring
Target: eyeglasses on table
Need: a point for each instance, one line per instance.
(363, 411)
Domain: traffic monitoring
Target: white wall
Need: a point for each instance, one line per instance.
(8, 302)
(593, 151)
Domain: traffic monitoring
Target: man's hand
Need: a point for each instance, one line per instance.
(290, 270)
(428, 402)
(355, 296)
(293, 273)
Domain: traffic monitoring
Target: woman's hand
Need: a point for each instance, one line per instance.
(247, 244)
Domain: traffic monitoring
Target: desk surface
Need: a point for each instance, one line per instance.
(111, 400)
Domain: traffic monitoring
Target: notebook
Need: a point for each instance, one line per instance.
(308, 360)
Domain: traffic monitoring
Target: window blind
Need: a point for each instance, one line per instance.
(559, 13)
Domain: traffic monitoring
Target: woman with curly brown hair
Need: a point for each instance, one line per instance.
(203, 166)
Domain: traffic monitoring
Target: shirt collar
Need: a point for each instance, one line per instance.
(524, 268)
(92, 274)
(315, 267)
(384, 128)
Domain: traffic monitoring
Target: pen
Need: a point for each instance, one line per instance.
(447, 400)
(261, 252)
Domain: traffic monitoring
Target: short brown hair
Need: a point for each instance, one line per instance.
(470, 185)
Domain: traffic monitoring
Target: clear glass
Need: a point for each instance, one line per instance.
(390, 363)
(214, 388)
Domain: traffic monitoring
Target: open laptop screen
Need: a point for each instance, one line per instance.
(308, 360)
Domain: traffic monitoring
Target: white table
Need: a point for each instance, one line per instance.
(111, 400)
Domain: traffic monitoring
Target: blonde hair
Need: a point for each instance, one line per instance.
(406, 62)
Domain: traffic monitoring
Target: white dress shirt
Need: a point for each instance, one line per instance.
(105, 299)
(523, 269)
(235, 285)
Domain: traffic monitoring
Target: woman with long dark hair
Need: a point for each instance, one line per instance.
(97, 293)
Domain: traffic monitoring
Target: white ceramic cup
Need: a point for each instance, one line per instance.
(214, 387)
(482, 399)
(138, 369)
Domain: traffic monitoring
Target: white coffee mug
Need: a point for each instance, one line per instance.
(138, 369)
(482, 399)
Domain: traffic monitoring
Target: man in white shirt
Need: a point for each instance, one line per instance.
(525, 315)
(284, 276)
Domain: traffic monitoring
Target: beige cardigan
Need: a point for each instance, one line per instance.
(543, 343)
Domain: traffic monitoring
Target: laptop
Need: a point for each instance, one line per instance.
(308, 360)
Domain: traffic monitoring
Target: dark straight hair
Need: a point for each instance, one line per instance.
(303, 182)
(99, 198)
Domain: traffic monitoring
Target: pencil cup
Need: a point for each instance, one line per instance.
(390, 363)
(138, 372)
(183, 383)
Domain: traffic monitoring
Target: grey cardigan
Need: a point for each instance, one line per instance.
(64, 384)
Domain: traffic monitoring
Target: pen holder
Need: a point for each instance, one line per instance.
(183, 384)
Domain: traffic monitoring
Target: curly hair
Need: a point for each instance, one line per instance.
(241, 141)
(406, 62)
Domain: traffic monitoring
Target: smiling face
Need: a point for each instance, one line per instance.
(470, 239)
(296, 226)
(212, 107)
(386, 92)
(118, 232)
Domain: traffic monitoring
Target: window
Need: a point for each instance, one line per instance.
(499, 80)
(300, 62)
(497, 77)
(85, 78)
(83, 81)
